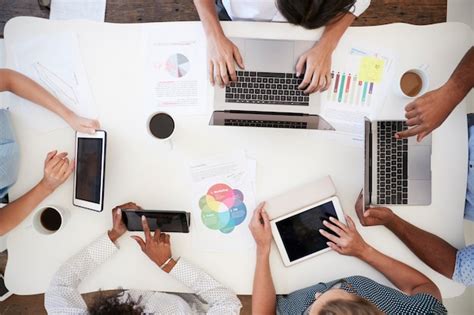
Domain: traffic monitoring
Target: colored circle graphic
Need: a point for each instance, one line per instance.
(177, 65)
(222, 208)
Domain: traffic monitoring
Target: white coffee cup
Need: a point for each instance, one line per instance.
(422, 75)
(49, 220)
(161, 126)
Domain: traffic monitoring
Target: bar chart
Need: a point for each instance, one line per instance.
(347, 89)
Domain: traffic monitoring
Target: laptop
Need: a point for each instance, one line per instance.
(266, 93)
(396, 172)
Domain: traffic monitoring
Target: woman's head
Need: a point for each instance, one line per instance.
(313, 14)
(340, 302)
(113, 305)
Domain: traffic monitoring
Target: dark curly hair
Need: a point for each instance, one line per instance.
(313, 14)
(111, 305)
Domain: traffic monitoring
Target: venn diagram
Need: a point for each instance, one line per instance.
(222, 208)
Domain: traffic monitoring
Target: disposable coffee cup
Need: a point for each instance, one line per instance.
(412, 83)
(49, 220)
(161, 126)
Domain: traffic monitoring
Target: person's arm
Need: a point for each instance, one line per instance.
(349, 242)
(57, 169)
(429, 111)
(62, 295)
(316, 62)
(157, 247)
(222, 53)
(263, 293)
(431, 249)
(26, 88)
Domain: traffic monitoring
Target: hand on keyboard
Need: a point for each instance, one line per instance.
(372, 216)
(222, 54)
(316, 66)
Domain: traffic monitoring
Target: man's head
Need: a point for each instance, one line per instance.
(113, 305)
(340, 302)
(313, 14)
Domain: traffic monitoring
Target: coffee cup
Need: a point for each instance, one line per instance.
(161, 126)
(412, 83)
(49, 220)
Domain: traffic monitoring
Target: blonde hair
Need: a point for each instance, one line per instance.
(356, 306)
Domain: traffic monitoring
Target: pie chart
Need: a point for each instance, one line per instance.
(177, 65)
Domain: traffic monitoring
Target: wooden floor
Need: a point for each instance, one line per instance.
(140, 11)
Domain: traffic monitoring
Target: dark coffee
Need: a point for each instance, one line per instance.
(411, 83)
(161, 125)
(51, 219)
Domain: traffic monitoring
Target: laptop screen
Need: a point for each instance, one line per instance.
(367, 163)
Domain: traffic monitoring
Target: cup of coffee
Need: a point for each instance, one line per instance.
(413, 83)
(49, 220)
(161, 125)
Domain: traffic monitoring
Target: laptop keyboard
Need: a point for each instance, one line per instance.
(266, 88)
(265, 123)
(392, 164)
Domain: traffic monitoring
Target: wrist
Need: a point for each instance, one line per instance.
(167, 266)
(114, 235)
(365, 253)
(44, 188)
(393, 223)
(455, 91)
(263, 251)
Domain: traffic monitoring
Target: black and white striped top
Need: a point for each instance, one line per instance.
(388, 300)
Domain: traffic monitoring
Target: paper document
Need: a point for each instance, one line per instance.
(53, 61)
(175, 69)
(92, 10)
(359, 86)
(223, 202)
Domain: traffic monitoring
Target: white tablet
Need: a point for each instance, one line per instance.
(297, 234)
(89, 174)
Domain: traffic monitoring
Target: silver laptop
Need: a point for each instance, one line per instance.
(266, 93)
(396, 172)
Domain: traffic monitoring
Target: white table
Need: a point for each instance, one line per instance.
(141, 170)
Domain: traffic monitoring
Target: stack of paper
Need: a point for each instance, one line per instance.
(223, 202)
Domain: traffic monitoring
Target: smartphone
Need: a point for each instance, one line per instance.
(166, 221)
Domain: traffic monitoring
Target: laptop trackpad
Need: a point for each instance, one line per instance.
(419, 162)
(269, 55)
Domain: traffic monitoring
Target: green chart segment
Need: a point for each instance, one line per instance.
(347, 89)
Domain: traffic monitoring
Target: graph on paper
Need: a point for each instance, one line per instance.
(346, 88)
(56, 85)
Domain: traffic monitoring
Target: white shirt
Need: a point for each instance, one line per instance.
(62, 296)
(267, 11)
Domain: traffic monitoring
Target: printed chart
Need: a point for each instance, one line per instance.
(223, 208)
(347, 89)
(177, 65)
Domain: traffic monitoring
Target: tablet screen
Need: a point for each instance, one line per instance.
(89, 169)
(300, 233)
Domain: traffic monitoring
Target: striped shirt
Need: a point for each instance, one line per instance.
(387, 300)
(9, 153)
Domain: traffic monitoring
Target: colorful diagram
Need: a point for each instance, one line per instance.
(346, 88)
(177, 65)
(223, 208)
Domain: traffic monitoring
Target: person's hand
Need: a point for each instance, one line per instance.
(222, 53)
(119, 228)
(57, 169)
(348, 241)
(82, 124)
(427, 113)
(157, 246)
(373, 216)
(259, 226)
(316, 66)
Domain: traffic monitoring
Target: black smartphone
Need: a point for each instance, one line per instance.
(166, 221)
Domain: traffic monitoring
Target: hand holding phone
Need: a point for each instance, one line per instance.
(166, 221)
